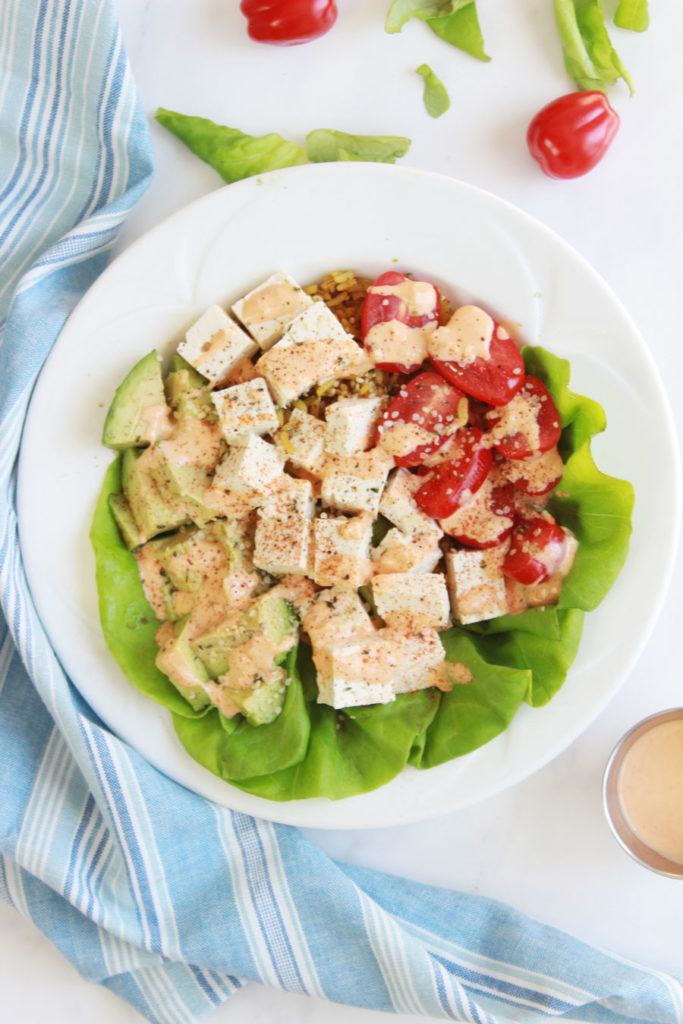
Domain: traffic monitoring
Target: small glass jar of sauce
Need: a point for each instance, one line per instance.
(643, 792)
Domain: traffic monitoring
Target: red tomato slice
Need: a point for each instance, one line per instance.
(429, 403)
(537, 548)
(535, 411)
(387, 300)
(453, 483)
(488, 519)
(535, 476)
(494, 380)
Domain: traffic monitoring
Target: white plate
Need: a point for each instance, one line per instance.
(308, 220)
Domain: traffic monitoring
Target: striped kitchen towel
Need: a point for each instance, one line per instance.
(129, 894)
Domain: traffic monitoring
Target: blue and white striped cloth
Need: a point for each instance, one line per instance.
(171, 923)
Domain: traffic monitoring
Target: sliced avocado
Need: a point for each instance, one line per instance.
(188, 392)
(237, 539)
(131, 533)
(125, 425)
(175, 552)
(189, 482)
(155, 508)
(269, 614)
(182, 666)
(262, 703)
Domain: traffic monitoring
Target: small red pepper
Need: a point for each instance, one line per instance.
(569, 136)
(288, 22)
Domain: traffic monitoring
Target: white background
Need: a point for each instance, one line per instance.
(543, 845)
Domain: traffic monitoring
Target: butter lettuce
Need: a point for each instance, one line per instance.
(435, 95)
(236, 155)
(454, 21)
(311, 750)
(589, 56)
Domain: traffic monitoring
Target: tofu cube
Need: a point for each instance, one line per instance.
(351, 424)
(302, 441)
(249, 468)
(245, 409)
(215, 344)
(282, 545)
(412, 602)
(288, 495)
(399, 507)
(358, 672)
(476, 583)
(401, 552)
(341, 551)
(314, 348)
(354, 483)
(336, 614)
(269, 308)
(422, 661)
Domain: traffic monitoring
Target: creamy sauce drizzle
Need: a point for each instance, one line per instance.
(466, 337)
(404, 438)
(417, 298)
(272, 302)
(396, 342)
(650, 788)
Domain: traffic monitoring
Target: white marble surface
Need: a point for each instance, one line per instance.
(543, 845)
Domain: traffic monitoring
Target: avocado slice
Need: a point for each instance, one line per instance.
(175, 553)
(125, 425)
(269, 614)
(188, 392)
(132, 535)
(262, 703)
(177, 660)
(156, 509)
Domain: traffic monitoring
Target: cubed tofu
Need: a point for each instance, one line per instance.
(302, 442)
(315, 347)
(289, 495)
(249, 468)
(270, 307)
(401, 552)
(336, 614)
(399, 507)
(422, 661)
(354, 483)
(341, 551)
(360, 672)
(412, 602)
(476, 519)
(245, 409)
(228, 503)
(215, 344)
(476, 583)
(351, 424)
(282, 545)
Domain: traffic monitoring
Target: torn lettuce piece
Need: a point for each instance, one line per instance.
(434, 95)
(234, 154)
(589, 57)
(325, 145)
(454, 21)
(632, 14)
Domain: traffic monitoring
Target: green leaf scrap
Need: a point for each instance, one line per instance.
(454, 21)
(323, 145)
(632, 14)
(589, 57)
(434, 95)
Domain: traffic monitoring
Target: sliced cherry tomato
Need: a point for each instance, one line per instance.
(395, 298)
(487, 520)
(569, 136)
(529, 424)
(288, 22)
(452, 483)
(537, 548)
(494, 380)
(535, 476)
(428, 403)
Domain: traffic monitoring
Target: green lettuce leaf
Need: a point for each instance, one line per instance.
(435, 95)
(454, 21)
(589, 57)
(312, 750)
(229, 151)
(632, 14)
(324, 145)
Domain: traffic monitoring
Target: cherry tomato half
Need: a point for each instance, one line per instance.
(488, 519)
(569, 136)
(452, 483)
(537, 548)
(288, 22)
(529, 425)
(494, 380)
(429, 403)
(535, 476)
(407, 303)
